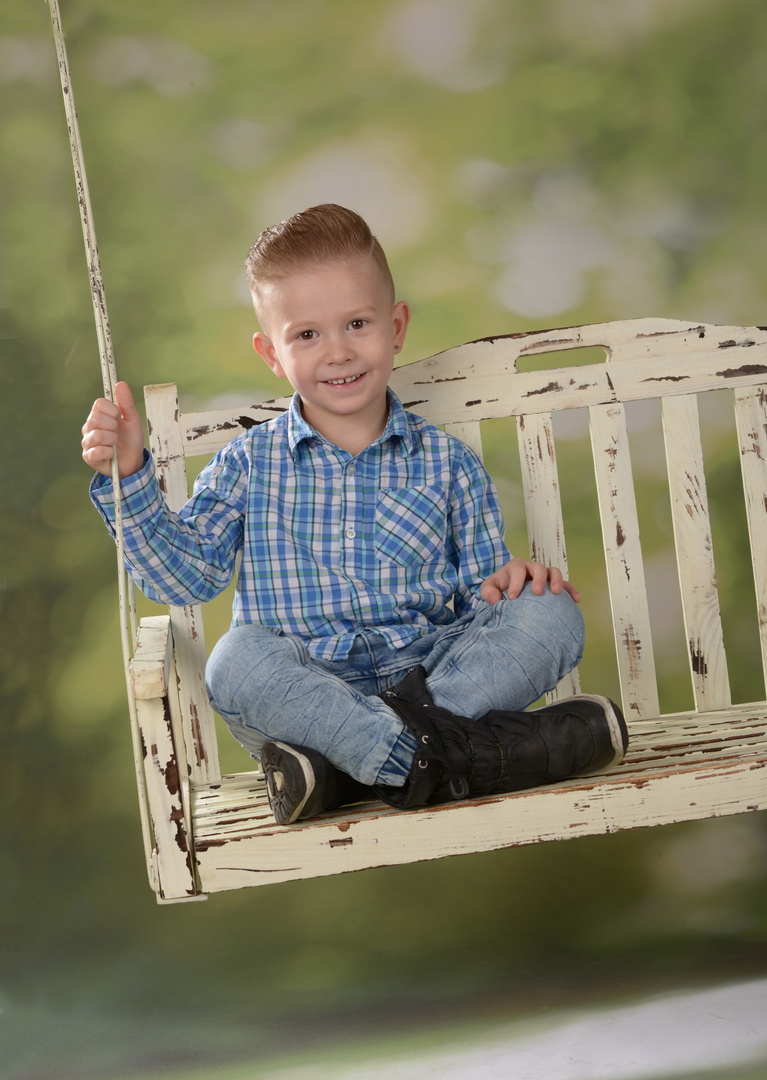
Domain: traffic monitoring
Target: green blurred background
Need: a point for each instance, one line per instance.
(526, 163)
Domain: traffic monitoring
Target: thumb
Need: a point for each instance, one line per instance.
(130, 432)
(125, 403)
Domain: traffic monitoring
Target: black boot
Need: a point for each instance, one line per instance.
(301, 783)
(578, 736)
(458, 758)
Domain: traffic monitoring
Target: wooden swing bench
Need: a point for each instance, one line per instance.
(212, 832)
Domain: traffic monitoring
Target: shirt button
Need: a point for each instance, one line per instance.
(350, 534)
(352, 470)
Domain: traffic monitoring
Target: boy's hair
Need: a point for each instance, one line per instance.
(325, 233)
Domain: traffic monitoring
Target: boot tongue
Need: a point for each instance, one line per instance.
(413, 687)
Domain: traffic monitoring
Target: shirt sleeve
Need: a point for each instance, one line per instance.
(186, 557)
(477, 545)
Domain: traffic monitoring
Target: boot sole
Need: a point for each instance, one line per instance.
(297, 775)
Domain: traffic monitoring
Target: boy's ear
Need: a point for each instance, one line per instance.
(263, 346)
(400, 320)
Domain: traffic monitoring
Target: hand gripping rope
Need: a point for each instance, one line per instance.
(109, 377)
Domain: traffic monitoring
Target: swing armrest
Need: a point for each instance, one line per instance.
(166, 785)
(150, 667)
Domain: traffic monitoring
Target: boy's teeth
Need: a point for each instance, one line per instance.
(338, 382)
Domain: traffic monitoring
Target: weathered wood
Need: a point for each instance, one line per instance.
(214, 833)
(173, 870)
(623, 554)
(751, 417)
(662, 781)
(468, 433)
(198, 721)
(543, 509)
(479, 381)
(152, 659)
(695, 553)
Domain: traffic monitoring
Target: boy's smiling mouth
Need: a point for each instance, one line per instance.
(343, 382)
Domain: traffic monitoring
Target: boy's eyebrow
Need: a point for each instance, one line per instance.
(309, 324)
(299, 325)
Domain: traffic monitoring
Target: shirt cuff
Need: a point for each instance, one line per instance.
(140, 495)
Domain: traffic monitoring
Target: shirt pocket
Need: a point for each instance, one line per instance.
(411, 524)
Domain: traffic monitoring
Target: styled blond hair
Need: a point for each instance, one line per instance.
(327, 233)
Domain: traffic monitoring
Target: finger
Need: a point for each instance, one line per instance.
(99, 458)
(515, 576)
(572, 591)
(102, 432)
(538, 575)
(103, 414)
(489, 591)
(556, 579)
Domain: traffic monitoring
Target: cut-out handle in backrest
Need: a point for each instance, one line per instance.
(197, 720)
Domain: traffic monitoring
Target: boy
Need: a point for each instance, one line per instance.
(347, 669)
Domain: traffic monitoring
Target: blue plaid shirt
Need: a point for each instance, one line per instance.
(331, 543)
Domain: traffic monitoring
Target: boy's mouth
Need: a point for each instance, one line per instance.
(344, 382)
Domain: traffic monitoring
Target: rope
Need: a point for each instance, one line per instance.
(109, 377)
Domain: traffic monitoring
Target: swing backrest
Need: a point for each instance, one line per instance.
(638, 360)
(645, 358)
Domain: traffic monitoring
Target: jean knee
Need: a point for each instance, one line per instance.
(241, 653)
(553, 617)
(562, 620)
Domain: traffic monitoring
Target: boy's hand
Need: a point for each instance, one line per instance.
(511, 578)
(114, 424)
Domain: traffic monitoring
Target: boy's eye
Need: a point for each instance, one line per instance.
(306, 335)
(357, 324)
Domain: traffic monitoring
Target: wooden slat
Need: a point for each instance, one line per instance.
(623, 554)
(751, 419)
(540, 485)
(468, 433)
(205, 433)
(543, 509)
(694, 553)
(188, 632)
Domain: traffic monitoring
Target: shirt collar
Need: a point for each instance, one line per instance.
(397, 425)
(298, 429)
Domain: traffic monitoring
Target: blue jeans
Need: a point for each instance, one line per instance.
(503, 656)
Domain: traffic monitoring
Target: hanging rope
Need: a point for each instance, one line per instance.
(109, 378)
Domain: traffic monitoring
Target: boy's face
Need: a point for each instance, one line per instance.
(331, 330)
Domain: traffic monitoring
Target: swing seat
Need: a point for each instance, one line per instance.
(212, 832)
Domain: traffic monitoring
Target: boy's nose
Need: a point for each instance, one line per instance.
(339, 351)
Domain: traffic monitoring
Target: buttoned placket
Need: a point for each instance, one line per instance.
(353, 528)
